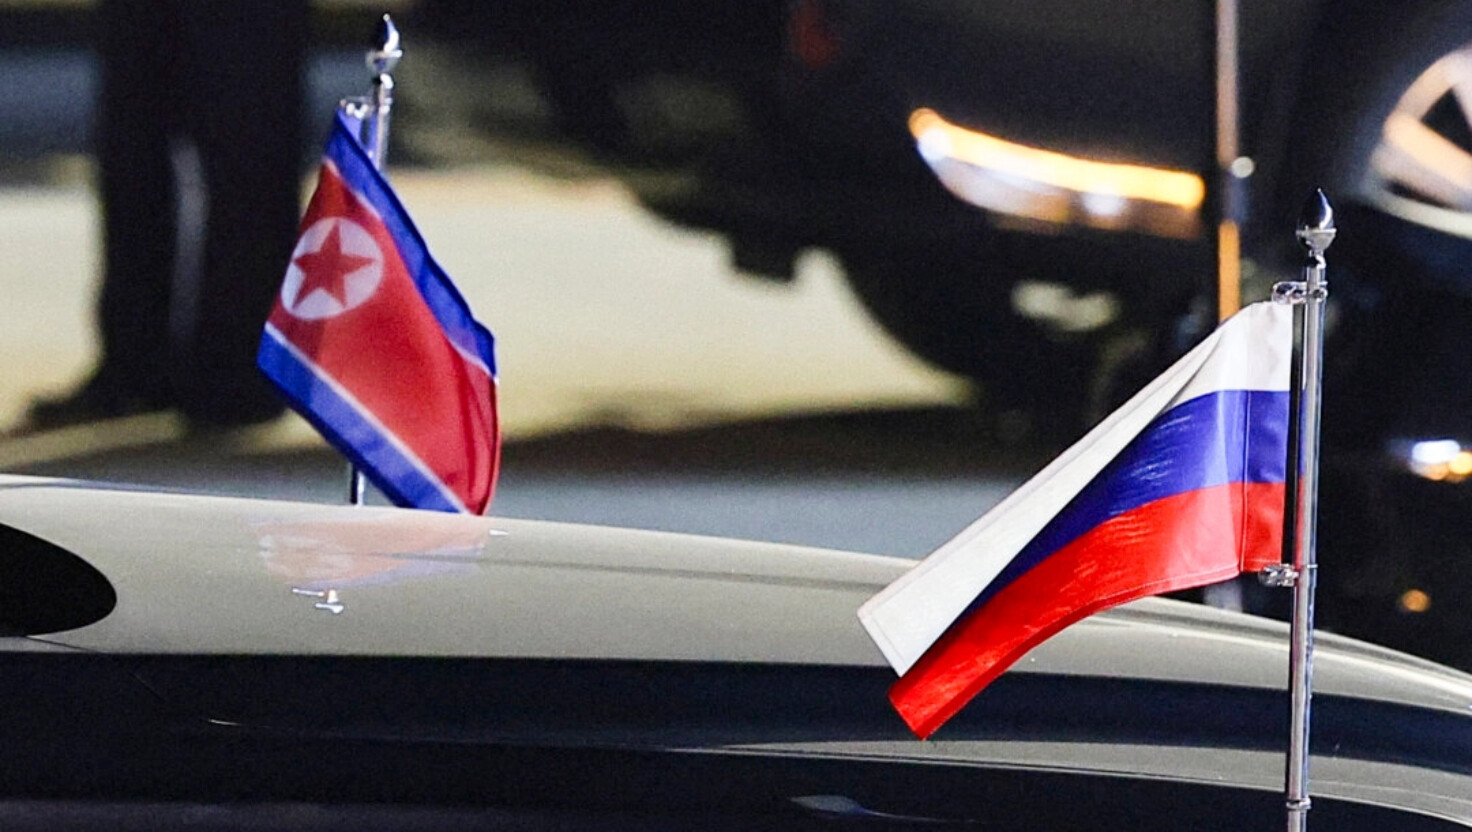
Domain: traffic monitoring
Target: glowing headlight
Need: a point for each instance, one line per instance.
(1054, 187)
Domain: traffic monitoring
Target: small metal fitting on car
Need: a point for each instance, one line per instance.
(330, 602)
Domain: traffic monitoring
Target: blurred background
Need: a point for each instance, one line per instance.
(845, 272)
(643, 382)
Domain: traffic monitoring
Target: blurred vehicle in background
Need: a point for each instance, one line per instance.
(1027, 194)
(1008, 187)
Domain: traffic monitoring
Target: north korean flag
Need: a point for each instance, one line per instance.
(371, 342)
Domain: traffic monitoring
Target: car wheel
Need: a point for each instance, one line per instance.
(1389, 127)
(1421, 166)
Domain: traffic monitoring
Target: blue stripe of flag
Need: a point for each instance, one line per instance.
(341, 422)
(1219, 438)
(444, 300)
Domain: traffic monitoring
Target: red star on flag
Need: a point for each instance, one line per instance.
(329, 267)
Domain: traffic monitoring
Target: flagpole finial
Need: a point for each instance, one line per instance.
(1316, 224)
(384, 51)
(383, 55)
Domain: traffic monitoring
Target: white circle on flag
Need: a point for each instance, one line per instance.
(350, 268)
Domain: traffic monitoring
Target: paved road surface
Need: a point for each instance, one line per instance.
(602, 313)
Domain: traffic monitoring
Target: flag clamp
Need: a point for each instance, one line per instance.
(1295, 292)
(1278, 575)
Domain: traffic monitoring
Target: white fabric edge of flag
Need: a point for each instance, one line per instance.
(910, 614)
(1258, 356)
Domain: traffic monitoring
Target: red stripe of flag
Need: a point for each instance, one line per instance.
(1183, 541)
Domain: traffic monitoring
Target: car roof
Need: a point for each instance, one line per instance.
(1157, 690)
(216, 575)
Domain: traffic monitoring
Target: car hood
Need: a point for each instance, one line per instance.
(202, 575)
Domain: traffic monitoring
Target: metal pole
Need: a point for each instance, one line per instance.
(1230, 167)
(1315, 232)
(382, 57)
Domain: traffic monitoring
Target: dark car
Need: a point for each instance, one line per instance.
(1033, 195)
(1028, 194)
(188, 662)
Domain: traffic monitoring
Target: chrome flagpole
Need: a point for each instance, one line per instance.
(1315, 232)
(372, 113)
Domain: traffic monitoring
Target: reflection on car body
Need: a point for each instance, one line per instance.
(491, 673)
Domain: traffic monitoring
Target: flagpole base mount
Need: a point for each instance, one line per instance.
(1278, 575)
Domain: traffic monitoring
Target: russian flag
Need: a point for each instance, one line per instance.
(371, 342)
(1181, 487)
